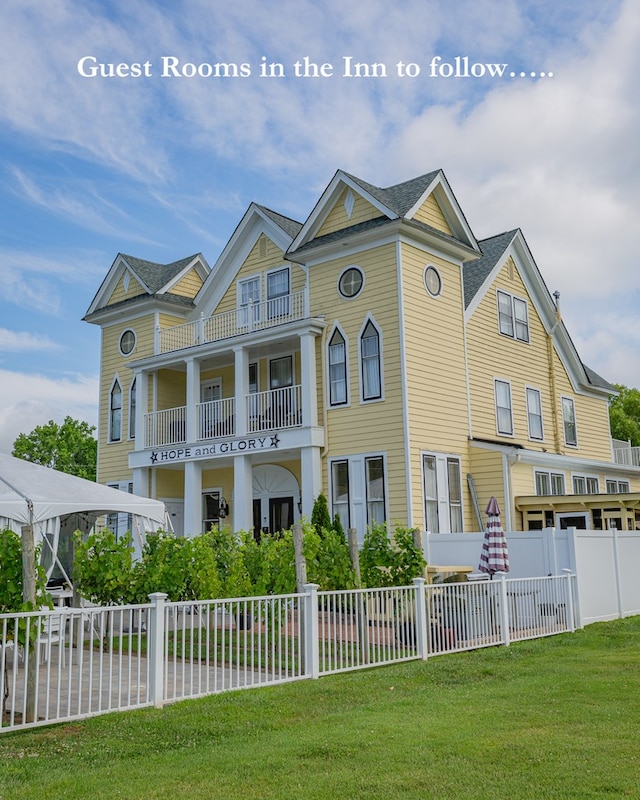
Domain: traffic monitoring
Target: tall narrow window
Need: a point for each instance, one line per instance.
(374, 468)
(505, 314)
(340, 491)
(569, 421)
(337, 369)
(370, 358)
(132, 410)
(115, 412)
(521, 319)
(278, 294)
(513, 317)
(431, 494)
(503, 408)
(455, 495)
(534, 413)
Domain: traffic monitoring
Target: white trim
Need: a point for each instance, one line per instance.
(424, 281)
(353, 461)
(495, 405)
(128, 329)
(369, 318)
(195, 263)
(405, 387)
(550, 474)
(442, 459)
(331, 406)
(585, 476)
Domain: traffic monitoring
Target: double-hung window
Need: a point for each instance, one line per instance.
(442, 493)
(504, 415)
(615, 486)
(534, 414)
(569, 421)
(337, 369)
(370, 362)
(549, 483)
(374, 481)
(513, 316)
(278, 293)
(340, 491)
(585, 484)
(248, 298)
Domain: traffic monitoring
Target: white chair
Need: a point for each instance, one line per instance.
(52, 633)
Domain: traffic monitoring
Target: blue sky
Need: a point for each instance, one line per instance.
(163, 167)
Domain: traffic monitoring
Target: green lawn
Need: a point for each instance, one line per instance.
(553, 718)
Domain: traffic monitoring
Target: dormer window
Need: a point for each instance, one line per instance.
(513, 316)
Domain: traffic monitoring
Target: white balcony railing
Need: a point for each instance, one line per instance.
(277, 408)
(266, 411)
(253, 317)
(166, 427)
(624, 454)
(216, 419)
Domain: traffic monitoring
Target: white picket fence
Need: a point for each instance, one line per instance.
(84, 662)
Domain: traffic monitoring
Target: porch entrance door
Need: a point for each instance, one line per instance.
(280, 513)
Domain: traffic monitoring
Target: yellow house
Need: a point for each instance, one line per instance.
(377, 353)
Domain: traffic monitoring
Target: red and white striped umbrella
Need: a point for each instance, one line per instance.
(494, 556)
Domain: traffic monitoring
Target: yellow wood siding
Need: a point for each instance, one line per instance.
(113, 456)
(169, 320)
(189, 286)
(431, 214)
(337, 218)
(374, 427)
(171, 390)
(120, 293)
(493, 355)
(435, 369)
(486, 468)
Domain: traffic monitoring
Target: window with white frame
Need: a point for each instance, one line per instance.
(534, 414)
(504, 415)
(210, 509)
(442, 487)
(337, 369)
(278, 293)
(513, 316)
(569, 421)
(374, 473)
(132, 409)
(120, 522)
(549, 483)
(340, 491)
(370, 362)
(115, 412)
(585, 484)
(617, 487)
(248, 295)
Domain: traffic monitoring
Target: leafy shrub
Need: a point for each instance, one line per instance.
(103, 568)
(385, 564)
(320, 517)
(11, 582)
(328, 559)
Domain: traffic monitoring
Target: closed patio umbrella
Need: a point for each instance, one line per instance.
(494, 556)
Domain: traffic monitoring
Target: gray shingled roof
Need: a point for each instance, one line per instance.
(476, 272)
(155, 276)
(598, 380)
(288, 225)
(400, 197)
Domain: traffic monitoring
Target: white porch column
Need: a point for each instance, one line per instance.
(241, 390)
(141, 378)
(192, 498)
(141, 481)
(311, 464)
(308, 379)
(193, 397)
(242, 507)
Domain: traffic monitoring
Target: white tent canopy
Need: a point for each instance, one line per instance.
(39, 496)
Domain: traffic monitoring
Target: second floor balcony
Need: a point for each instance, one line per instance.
(625, 454)
(245, 319)
(276, 409)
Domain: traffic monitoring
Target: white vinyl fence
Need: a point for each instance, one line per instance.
(73, 663)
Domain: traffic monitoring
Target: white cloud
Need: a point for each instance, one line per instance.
(30, 400)
(20, 341)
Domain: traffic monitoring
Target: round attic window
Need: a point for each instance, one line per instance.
(432, 281)
(127, 342)
(351, 282)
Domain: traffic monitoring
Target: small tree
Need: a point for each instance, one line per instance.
(383, 563)
(103, 568)
(320, 517)
(11, 576)
(69, 447)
